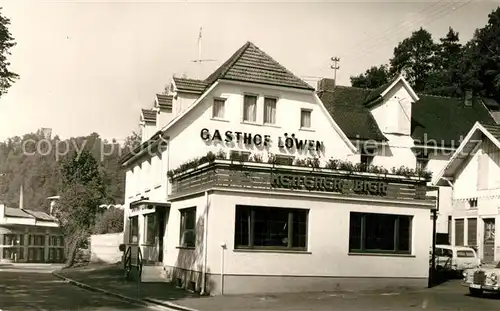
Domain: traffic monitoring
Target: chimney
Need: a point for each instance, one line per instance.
(468, 98)
(325, 84)
(21, 197)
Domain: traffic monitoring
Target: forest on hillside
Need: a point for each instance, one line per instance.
(33, 160)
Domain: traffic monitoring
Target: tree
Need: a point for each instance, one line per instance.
(445, 78)
(372, 78)
(7, 77)
(414, 57)
(132, 141)
(111, 221)
(480, 66)
(82, 192)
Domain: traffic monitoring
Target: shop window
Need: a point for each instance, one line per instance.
(188, 227)
(150, 226)
(380, 233)
(270, 228)
(134, 230)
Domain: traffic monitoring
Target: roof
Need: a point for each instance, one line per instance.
(148, 115)
(346, 106)
(466, 149)
(16, 212)
(190, 85)
(164, 101)
(40, 215)
(436, 120)
(445, 120)
(251, 64)
(25, 213)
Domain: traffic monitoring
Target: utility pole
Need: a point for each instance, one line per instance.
(335, 67)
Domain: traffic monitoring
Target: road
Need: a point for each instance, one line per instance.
(41, 291)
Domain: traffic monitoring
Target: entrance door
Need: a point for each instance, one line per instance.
(489, 240)
(160, 213)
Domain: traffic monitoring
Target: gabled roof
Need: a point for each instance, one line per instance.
(251, 64)
(443, 121)
(148, 115)
(466, 149)
(163, 101)
(190, 85)
(40, 215)
(346, 106)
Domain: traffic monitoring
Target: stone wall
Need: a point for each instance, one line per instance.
(105, 247)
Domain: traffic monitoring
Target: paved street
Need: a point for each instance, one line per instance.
(30, 291)
(25, 291)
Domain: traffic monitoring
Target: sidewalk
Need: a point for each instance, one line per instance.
(111, 278)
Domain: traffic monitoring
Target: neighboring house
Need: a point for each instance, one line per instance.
(473, 173)
(231, 222)
(392, 126)
(29, 236)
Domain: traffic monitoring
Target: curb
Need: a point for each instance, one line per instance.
(148, 302)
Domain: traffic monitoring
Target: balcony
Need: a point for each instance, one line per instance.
(219, 174)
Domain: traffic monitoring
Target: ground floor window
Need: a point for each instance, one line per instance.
(472, 231)
(380, 233)
(270, 227)
(459, 232)
(134, 230)
(188, 227)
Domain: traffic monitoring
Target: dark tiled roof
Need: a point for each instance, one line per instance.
(492, 129)
(164, 101)
(16, 212)
(149, 115)
(40, 215)
(250, 64)
(445, 120)
(190, 85)
(346, 106)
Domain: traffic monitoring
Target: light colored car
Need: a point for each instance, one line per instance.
(456, 258)
(482, 279)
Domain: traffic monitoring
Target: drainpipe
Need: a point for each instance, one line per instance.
(433, 255)
(205, 246)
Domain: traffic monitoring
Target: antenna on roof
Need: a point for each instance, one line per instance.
(199, 60)
(335, 67)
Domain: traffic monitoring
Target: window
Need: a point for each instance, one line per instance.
(459, 232)
(270, 110)
(9, 239)
(250, 108)
(283, 160)
(380, 233)
(472, 203)
(472, 231)
(422, 161)
(188, 227)
(305, 118)
(134, 230)
(241, 156)
(150, 227)
(38, 240)
(270, 228)
(218, 108)
(465, 254)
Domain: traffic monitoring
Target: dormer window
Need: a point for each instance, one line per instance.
(367, 156)
(422, 161)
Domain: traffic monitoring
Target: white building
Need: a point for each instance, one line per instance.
(208, 227)
(474, 175)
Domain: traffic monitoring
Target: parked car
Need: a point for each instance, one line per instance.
(482, 279)
(456, 259)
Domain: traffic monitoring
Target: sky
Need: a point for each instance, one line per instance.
(90, 66)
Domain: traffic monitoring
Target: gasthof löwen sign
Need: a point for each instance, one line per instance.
(233, 138)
